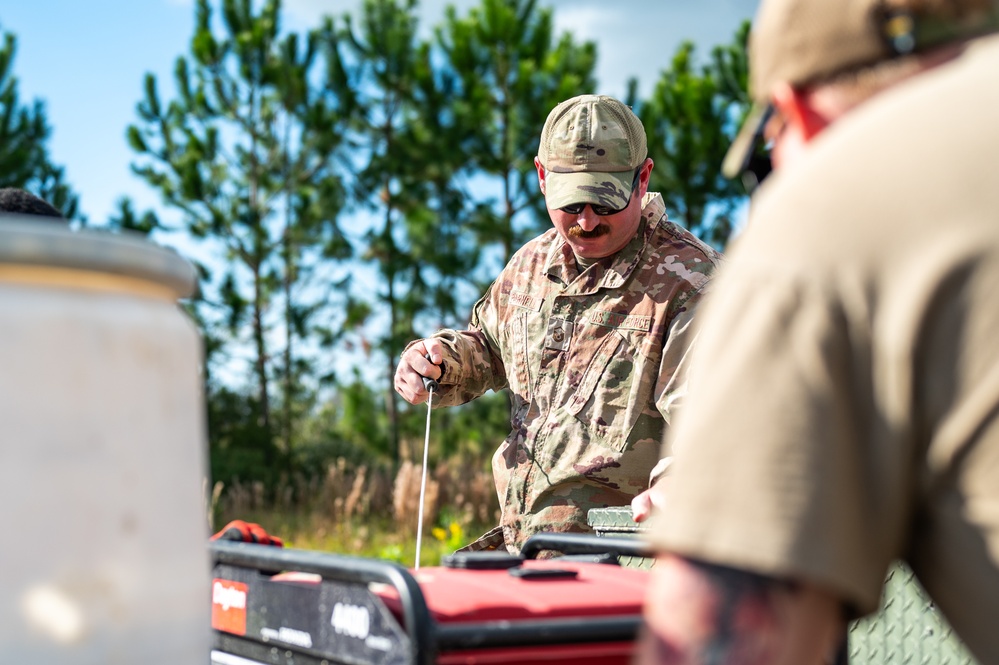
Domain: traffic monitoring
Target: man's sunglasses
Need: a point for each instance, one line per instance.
(599, 210)
(757, 165)
(748, 158)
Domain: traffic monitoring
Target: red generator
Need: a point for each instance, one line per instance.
(293, 607)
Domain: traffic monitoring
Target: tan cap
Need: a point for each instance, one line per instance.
(590, 148)
(806, 41)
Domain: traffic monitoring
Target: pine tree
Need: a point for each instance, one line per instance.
(385, 44)
(24, 135)
(691, 119)
(251, 153)
(511, 72)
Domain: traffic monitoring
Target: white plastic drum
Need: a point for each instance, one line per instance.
(103, 534)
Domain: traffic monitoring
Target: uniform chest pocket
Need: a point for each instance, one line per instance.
(608, 398)
(519, 331)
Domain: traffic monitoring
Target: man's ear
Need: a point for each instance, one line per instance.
(799, 111)
(646, 177)
(541, 174)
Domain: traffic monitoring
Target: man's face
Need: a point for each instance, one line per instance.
(592, 236)
(799, 116)
(784, 142)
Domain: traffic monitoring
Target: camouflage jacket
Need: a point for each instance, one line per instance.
(594, 363)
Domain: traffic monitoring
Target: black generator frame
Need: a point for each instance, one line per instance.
(419, 638)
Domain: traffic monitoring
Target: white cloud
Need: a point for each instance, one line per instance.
(637, 38)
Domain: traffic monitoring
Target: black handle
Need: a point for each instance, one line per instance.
(430, 385)
(335, 568)
(583, 543)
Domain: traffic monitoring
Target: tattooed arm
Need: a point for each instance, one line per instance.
(703, 614)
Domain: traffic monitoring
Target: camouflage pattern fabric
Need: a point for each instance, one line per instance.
(611, 190)
(490, 540)
(595, 363)
(590, 147)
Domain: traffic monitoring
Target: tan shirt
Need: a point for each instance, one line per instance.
(844, 395)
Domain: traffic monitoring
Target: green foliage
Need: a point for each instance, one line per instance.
(352, 425)
(372, 538)
(452, 536)
(127, 219)
(392, 552)
(241, 448)
(250, 152)
(24, 134)
(472, 430)
(690, 124)
(510, 71)
(383, 45)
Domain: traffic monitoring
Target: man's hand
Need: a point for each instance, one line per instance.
(413, 366)
(643, 504)
(247, 532)
(652, 498)
(702, 614)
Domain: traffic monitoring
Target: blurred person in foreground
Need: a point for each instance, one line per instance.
(588, 325)
(852, 419)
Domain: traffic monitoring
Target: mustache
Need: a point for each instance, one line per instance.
(579, 232)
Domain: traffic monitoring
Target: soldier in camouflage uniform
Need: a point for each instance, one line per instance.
(588, 325)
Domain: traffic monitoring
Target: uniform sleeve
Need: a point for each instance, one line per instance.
(472, 358)
(671, 384)
(781, 465)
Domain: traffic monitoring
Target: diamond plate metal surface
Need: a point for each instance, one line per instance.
(617, 523)
(908, 630)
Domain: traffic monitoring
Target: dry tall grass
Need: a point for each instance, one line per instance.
(365, 509)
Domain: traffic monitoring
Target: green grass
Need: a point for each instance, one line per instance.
(378, 538)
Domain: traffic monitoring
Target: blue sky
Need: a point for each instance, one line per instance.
(86, 60)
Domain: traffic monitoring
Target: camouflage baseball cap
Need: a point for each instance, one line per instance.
(590, 148)
(808, 41)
